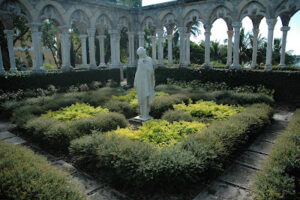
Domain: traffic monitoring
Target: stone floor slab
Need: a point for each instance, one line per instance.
(60, 164)
(261, 147)
(239, 175)
(88, 183)
(6, 134)
(15, 140)
(252, 159)
(5, 126)
(219, 190)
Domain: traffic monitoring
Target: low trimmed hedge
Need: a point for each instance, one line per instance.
(285, 83)
(197, 158)
(58, 135)
(57, 78)
(25, 175)
(279, 178)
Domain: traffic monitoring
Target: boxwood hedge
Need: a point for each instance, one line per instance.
(196, 158)
(25, 175)
(279, 178)
(285, 83)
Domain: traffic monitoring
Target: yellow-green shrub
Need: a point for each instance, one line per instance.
(25, 175)
(209, 109)
(161, 132)
(75, 112)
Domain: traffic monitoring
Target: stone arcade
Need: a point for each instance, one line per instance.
(92, 15)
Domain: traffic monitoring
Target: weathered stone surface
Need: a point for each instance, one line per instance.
(60, 164)
(252, 159)
(5, 126)
(261, 147)
(219, 190)
(106, 194)
(6, 134)
(239, 175)
(15, 140)
(88, 183)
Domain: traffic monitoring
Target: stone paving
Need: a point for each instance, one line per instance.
(236, 181)
(94, 189)
(234, 184)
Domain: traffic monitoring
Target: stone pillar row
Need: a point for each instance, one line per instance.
(157, 54)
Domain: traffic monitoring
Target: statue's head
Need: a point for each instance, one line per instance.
(141, 52)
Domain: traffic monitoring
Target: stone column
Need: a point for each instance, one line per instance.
(170, 50)
(65, 48)
(2, 71)
(271, 24)
(236, 59)
(254, 52)
(141, 39)
(83, 51)
(36, 44)
(113, 48)
(131, 49)
(284, 30)
(91, 33)
(10, 45)
(207, 34)
(153, 38)
(160, 33)
(118, 48)
(182, 31)
(101, 47)
(188, 48)
(229, 48)
(41, 63)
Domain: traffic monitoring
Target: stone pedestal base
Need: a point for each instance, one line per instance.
(138, 120)
(206, 66)
(93, 66)
(268, 68)
(102, 65)
(282, 66)
(236, 67)
(38, 71)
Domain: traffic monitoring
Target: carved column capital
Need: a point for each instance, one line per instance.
(271, 23)
(285, 28)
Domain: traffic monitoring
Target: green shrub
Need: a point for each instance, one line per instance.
(163, 103)
(198, 157)
(177, 115)
(57, 78)
(75, 112)
(209, 110)
(280, 174)
(56, 134)
(162, 133)
(124, 108)
(25, 175)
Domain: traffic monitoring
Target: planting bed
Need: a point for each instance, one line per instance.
(191, 139)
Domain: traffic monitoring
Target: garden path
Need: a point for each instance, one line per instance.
(235, 183)
(93, 189)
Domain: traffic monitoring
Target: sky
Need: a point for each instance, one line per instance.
(293, 38)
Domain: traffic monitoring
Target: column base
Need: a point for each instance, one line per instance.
(206, 66)
(38, 71)
(13, 70)
(282, 66)
(84, 66)
(236, 67)
(67, 68)
(253, 66)
(93, 66)
(102, 65)
(170, 63)
(268, 68)
(114, 66)
(2, 72)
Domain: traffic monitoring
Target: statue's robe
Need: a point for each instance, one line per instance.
(144, 81)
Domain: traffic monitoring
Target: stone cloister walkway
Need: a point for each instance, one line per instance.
(234, 184)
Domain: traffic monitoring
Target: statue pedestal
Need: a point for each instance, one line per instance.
(139, 120)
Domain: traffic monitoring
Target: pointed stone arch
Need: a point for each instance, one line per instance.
(81, 20)
(252, 9)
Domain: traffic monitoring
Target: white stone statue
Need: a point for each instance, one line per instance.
(144, 83)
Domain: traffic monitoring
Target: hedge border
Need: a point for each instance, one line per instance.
(57, 78)
(285, 83)
(25, 175)
(277, 179)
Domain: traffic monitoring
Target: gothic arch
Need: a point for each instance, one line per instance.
(148, 22)
(124, 22)
(221, 12)
(80, 19)
(50, 12)
(192, 17)
(16, 8)
(253, 9)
